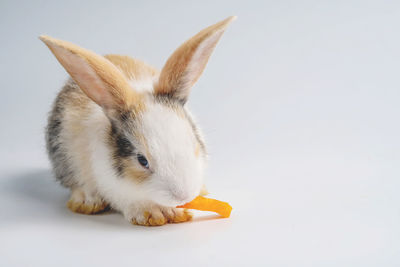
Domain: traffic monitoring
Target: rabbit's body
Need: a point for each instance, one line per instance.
(120, 135)
(81, 144)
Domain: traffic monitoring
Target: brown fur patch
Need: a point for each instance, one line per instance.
(133, 69)
(138, 174)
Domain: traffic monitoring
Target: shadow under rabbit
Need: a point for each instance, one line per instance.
(35, 197)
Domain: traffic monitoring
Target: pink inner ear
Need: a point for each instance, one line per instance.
(186, 64)
(84, 75)
(199, 60)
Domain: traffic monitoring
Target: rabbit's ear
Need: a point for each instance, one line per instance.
(185, 65)
(96, 76)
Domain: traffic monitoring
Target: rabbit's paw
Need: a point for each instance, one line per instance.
(155, 215)
(146, 215)
(176, 215)
(80, 202)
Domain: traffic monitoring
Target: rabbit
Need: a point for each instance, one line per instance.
(120, 136)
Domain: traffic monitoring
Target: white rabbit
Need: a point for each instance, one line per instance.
(119, 134)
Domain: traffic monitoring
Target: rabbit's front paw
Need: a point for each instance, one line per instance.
(81, 202)
(146, 215)
(177, 215)
(154, 215)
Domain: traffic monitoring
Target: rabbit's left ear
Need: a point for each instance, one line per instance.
(96, 76)
(185, 65)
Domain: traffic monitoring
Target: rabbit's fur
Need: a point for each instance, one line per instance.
(120, 135)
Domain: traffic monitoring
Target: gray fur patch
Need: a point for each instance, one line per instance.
(56, 149)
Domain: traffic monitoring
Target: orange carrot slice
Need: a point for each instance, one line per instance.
(209, 204)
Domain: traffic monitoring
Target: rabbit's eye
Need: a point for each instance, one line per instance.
(143, 161)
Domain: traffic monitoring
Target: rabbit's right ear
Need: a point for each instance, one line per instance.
(96, 76)
(185, 65)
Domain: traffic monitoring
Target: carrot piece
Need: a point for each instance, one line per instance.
(209, 204)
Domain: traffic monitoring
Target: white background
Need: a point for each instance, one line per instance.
(300, 107)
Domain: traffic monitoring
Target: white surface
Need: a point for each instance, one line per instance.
(300, 106)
